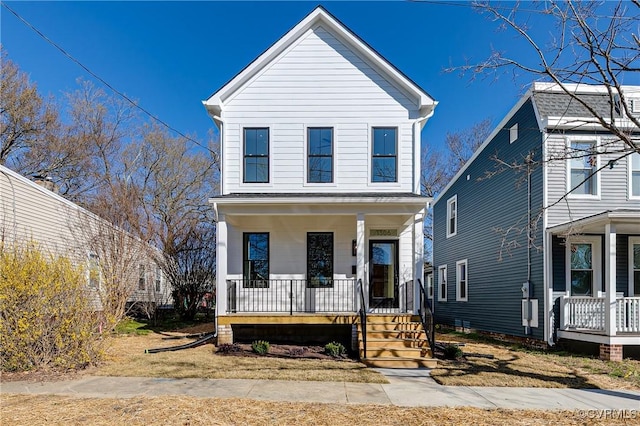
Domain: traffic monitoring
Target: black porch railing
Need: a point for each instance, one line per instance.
(425, 310)
(291, 296)
(363, 319)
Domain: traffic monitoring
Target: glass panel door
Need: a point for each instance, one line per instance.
(581, 269)
(383, 274)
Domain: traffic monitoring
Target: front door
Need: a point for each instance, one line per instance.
(383, 274)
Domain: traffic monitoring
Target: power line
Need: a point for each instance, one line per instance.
(97, 77)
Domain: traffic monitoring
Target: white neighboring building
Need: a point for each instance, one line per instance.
(29, 212)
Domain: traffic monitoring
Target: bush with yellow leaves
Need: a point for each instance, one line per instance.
(46, 319)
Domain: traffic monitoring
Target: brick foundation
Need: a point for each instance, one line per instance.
(611, 352)
(225, 334)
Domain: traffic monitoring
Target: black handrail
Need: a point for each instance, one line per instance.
(425, 311)
(363, 319)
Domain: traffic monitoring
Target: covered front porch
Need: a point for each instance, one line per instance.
(596, 280)
(298, 256)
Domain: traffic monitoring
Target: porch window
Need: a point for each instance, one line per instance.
(94, 270)
(142, 278)
(320, 155)
(319, 259)
(634, 175)
(255, 258)
(634, 266)
(442, 283)
(461, 281)
(385, 155)
(581, 269)
(452, 216)
(583, 163)
(256, 155)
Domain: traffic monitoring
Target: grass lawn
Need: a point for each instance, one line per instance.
(60, 410)
(491, 363)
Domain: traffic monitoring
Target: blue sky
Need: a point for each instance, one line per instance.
(172, 55)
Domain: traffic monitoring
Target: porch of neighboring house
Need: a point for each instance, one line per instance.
(295, 269)
(596, 283)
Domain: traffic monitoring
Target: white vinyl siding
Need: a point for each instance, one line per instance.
(442, 283)
(319, 82)
(462, 281)
(613, 182)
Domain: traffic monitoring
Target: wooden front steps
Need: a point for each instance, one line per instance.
(395, 341)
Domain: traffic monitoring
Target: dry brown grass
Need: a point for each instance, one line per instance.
(60, 410)
(126, 357)
(517, 367)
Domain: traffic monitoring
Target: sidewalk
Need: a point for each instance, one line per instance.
(406, 388)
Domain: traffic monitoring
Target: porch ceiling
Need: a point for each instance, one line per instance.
(626, 221)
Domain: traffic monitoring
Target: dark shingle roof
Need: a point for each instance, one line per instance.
(554, 104)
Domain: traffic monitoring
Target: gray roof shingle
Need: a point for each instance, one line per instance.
(554, 104)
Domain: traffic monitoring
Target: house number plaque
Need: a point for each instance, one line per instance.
(383, 232)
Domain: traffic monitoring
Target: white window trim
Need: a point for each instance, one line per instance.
(629, 176)
(632, 241)
(458, 280)
(635, 105)
(513, 133)
(334, 163)
(370, 182)
(430, 286)
(596, 250)
(241, 182)
(155, 278)
(597, 141)
(451, 200)
(443, 297)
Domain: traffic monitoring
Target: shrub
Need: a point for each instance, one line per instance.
(452, 352)
(335, 349)
(261, 347)
(45, 312)
(229, 348)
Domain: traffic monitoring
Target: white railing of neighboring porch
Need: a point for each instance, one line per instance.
(588, 313)
(628, 315)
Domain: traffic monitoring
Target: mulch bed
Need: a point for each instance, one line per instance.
(282, 351)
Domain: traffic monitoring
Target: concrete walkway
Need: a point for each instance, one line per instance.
(406, 388)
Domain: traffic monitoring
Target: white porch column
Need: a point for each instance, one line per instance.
(221, 266)
(418, 259)
(360, 241)
(610, 278)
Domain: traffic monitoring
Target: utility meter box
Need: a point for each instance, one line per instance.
(526, 290)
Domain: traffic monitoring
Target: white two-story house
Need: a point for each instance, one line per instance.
(320, 210)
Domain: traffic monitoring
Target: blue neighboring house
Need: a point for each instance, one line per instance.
(514, 256)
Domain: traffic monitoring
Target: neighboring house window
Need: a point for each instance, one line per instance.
(452, 216)
(461, 281)
(583, 163)
(320, 155)
(319, 259)
(142, 278)
(635, 106)
(442, 283)
(384, 161)
(430, 286)
(94, 270)
(158, 278)
(256, 155)
(513, 133)
(256, 260)
(634, 175)
(584, 268)
(634, 266)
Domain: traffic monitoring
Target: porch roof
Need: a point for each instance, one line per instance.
(321, 203)
(627, 221)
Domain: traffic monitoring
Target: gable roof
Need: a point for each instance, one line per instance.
(319, 16)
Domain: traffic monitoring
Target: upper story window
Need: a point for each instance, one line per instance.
(256, 155)
(452, 216)
(320, 155)
(634, 175)
(513, 133)
(583, 163)
(384, 159)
